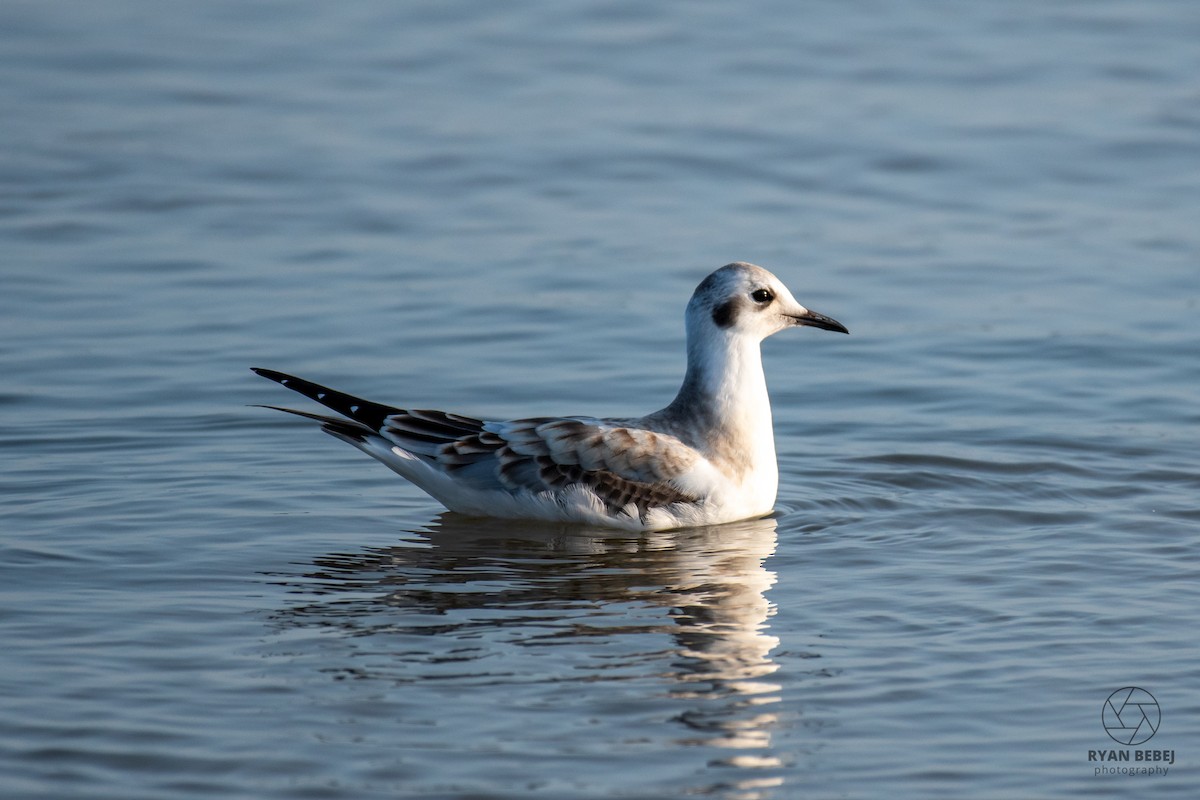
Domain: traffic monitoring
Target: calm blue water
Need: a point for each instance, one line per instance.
(989, 513)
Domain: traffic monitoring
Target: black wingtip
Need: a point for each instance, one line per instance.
(364, 412)
(347, 430)
(270, 374)
(307, 388)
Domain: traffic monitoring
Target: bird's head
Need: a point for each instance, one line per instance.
(745, 300)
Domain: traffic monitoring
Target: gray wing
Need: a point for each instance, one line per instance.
(620, 463)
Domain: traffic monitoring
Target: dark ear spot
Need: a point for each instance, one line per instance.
(725, 313)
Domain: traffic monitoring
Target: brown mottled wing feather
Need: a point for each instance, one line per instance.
(621, 465)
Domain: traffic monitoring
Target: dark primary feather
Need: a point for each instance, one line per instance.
(408, 427)
(345, 429)
(364, 411)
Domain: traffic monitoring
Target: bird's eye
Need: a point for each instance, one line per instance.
(762, 296)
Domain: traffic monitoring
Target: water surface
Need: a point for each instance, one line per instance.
(988, 507)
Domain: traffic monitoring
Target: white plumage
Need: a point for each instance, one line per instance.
(707, 458)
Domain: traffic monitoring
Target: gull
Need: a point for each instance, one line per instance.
(706, 459)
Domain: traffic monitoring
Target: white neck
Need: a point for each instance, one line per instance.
(723, 408)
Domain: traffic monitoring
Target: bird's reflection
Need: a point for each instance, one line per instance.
(687, 607)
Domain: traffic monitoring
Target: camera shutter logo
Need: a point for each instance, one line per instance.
(1131, 716)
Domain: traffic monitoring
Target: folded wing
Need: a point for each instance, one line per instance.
(622, 464)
